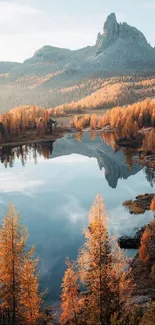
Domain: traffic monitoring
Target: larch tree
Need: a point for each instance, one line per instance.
(147, 247)
(152, 205)
(94, 266)
(71, 303)
(13, 238)
(20, 300)
(121, 281)
(102, 270)
(30, 298)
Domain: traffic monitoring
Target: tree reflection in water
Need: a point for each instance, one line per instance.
(8, 155)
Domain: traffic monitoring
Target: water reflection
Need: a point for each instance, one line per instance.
(115, 162)
(55, 194)
(8, 155)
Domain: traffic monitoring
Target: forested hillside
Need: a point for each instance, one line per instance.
(93, 93)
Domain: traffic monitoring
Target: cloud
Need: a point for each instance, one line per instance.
(10, 10)
(74, 211)
(17, 182)
(16, 17)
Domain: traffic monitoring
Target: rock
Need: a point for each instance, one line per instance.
(127, 242)
(130, 142)
(110, 33)
(140, 204)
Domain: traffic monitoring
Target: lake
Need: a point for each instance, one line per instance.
(53, 185)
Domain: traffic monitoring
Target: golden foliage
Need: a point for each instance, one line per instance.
(71, 302)
(147, 247)
(19, 282)
(152, 206)
(101, 272)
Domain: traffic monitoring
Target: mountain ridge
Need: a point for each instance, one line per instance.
(119, 48)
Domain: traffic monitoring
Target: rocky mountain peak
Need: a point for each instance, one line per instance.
(110, 33)
(113, 31)
(111, 25)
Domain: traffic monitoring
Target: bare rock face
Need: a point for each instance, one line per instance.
(110, 33)
(122, 47)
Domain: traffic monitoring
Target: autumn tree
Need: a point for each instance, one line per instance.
(13, 238)
(147, 247)
(132, 316)
(100, 272)
(70, 297)
(19, 295)
(30, 298)
(152, 205)
(153, 272)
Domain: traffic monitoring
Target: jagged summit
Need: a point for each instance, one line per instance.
(112, 31)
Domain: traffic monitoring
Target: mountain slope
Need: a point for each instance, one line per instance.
(55, 76)
(119, 49)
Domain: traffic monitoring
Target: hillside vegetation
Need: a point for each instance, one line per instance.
(87, 94)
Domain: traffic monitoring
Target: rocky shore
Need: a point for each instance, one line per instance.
(140, 204)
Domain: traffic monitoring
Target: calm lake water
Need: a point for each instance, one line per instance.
(53, 186)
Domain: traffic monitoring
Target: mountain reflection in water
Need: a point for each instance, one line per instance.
(117, 163)
(53, 186)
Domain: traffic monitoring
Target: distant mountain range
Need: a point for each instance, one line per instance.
(120, 48)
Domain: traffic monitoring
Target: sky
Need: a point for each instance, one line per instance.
(27, 25)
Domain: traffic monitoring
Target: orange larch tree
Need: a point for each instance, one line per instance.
(20, 299)
(147, 247)
(71, 302)
(30, 298)
(152, 205)
(94, 265)
(13, 238)
(102, 269)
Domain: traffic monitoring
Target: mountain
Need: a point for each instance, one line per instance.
(56, 76)
(123, 47)
(119, 48)
(5, 67)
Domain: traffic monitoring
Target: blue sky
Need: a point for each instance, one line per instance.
(27, 25)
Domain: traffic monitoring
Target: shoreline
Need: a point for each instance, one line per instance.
(27, 139)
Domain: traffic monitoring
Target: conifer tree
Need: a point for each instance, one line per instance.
(20, 300)
(30, 298)
(13, 238)
(102, 268)
(152, 206)
(70, 297)
(94, 265)
(147, 247)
